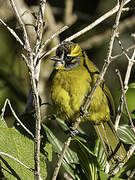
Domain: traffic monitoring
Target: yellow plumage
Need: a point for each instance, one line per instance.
(73, 77)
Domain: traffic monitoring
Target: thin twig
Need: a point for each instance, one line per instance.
(132, 174)
(120, 165)
(26, 39)
(40, 27)
(128, 9)
(125, 101)
(34, 87)
(34, 76)
(54, 35)
(34, 82)
(66, 145)
(48, 40)
(13, 33)
(26, 60)
(7, 101)
(123, 53)
(91, 26)
(15, 159)
(131, 61)
(38, 56)
(100, 38)
(91, 94)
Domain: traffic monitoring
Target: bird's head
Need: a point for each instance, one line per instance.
(68, 55)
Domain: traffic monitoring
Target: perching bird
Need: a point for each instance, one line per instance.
(73, 77)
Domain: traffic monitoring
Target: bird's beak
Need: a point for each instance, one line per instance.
(56, 58)
(59, 61)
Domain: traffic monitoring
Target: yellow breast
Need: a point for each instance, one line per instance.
(69, 91)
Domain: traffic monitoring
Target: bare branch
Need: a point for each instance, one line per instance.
(48, 40)
(26, 61)
(66, 145)
(120, 107)
(132, 174)
(34, 86)
(13, 33)
(124, 52)
(26, 39)
(98, 39)
(7, 101)
(34, 76)
(15, 159)
(40, 26)
(54, 35)
(125, 101)
(91, 26)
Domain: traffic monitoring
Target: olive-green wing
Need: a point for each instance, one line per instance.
(93, 70)
(113, 147)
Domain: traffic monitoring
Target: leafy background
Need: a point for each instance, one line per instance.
(14, 80)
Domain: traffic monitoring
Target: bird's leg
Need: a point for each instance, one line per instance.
(73, 131)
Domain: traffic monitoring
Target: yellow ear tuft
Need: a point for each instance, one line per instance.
(75, 50)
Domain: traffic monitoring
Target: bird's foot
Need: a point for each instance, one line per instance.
(84, 112)
(73, 131)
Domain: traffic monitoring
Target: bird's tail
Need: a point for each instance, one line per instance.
(113, 147)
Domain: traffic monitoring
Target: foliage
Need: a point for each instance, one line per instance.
(84, 162)
(126, 134)
(92, 162)
(22, 148)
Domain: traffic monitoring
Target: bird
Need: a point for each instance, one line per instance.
(72, 79)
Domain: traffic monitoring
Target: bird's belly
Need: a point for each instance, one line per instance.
(68, 91)
(68, 94)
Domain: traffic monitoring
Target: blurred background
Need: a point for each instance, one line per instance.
(77, 14)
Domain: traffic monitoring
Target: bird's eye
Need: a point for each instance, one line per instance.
(69, 58)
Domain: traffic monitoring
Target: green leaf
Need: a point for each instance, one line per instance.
(48, 150)
(130, 97)
(70, 157)
(126, 134)
(100, 154)
(88, 161)
(20, 147)
(79, 138)
(64, 126)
